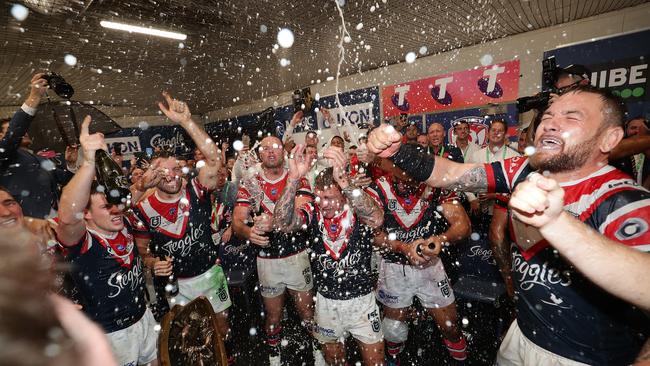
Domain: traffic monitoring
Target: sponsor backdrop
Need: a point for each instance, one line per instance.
(619, 63)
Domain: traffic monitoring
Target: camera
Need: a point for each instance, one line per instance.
(540, 101)
(57, 83)
(303, 100)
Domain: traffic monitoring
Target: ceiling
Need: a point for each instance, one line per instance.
(228, 57)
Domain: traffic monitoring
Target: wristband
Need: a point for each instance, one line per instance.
(414, 162)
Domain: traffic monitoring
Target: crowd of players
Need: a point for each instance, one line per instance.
(314, 215)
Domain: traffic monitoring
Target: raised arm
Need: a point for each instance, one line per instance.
(179, 112)
(286, 216)
(615, 267)
(76, 193)
(366, 208)
(21, 120)
(385, 141)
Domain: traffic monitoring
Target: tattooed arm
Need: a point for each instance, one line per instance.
(285, 216)
(366, 208)
(463, 177)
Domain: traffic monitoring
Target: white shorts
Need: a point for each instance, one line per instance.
(135, 345)
(335, 319)
(518, 350)
(292, 272)
(398, 284)
(211, 284)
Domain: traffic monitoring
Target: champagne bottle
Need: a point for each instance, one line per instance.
(110, 175)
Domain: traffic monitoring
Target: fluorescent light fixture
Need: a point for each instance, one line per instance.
(143, 30)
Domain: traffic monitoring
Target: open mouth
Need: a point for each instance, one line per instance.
(550, 143)
(9, 222)
(116, 220)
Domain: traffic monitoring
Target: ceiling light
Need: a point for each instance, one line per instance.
(143, 30)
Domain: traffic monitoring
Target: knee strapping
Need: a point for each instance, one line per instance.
(395, 330)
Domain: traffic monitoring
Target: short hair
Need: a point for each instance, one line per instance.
(4, 121)
(325, 179)
(164, 153)
(613, 107)
(352, 147)
(504, 123)
(3, 189)
(95, 188)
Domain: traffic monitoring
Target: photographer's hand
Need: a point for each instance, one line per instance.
(38, 89)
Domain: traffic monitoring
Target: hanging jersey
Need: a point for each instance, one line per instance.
(261, 197)
(409, 218)
(555, 301)
(180, 229)
(341, 250)
(108, 273)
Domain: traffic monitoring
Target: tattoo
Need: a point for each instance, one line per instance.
(473, 180)
(367, 209)
(284, 216)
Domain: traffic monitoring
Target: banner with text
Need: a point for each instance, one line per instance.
(497, 83)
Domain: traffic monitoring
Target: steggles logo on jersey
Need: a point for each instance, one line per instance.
(182, 246)
(340, 266)
(411, 235)
(131, 278)
(532, 275)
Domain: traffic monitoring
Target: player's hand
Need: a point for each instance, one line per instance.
(263, 223)
(151, 177)
(431, 246)
(384, 141)
(361, 180)
(163, 268)
(538, 201)
(175, 110)
(299, 165)
(90, 143)
(227, 234)
(410, 252)
(258, 238)
(475, 207)
(38, 87)
(364, 155)
(338, 162)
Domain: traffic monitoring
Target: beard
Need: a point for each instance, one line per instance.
(571, 159)
(403, 189)
(273, 165)
(169, 189)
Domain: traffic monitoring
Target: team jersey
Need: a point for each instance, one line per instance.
(108, 273)
(179, 229)
(341, 250)
(280, 244)
(409, 218)
(558, 308)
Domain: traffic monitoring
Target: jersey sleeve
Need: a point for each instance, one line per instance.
(243, 197)
(503, 176)
(202, 192)
(627, 219)
(375, 193)
(304, 189)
